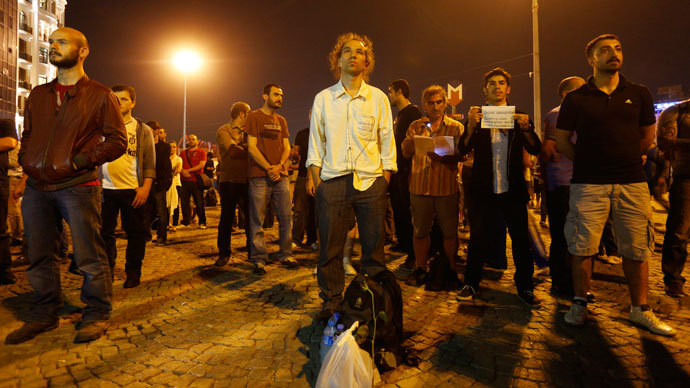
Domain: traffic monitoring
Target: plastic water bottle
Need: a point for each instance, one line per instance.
(328, 336)
(339, 329)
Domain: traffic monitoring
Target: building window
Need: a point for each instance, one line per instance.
(43, 4)
(43, 55)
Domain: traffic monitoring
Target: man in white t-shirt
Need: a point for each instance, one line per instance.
(126, 186)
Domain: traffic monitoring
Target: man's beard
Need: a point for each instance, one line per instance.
(273, 105)
(66, 61)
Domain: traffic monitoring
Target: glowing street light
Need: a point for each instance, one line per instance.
(186, 62)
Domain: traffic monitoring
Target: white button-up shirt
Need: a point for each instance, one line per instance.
(352, 135)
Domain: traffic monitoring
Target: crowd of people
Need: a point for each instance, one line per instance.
(86, 160)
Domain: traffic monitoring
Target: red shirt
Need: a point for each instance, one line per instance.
(194, 157)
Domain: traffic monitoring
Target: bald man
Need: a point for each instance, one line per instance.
(71, 126)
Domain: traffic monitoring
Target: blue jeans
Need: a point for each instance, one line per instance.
(80, 207)
(675, 249)
(262, 190)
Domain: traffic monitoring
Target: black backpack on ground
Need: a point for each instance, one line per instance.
(387, 301)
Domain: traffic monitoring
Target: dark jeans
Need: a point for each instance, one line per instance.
(675, 248)
(337, 203)
(5, 255)
(133, 223)
(231, 195)
(160, 209)
(80, 207)
(400, 201)
(304, 217)
(190, 189)
(557, 204)
(482, 224)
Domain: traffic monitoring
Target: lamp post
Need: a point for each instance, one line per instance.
(187, 62)
(536, 75)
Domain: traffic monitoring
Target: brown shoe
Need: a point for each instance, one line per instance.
(29, 331)
(91, 331)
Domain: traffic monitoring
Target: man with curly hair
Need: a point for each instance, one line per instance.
(351, 157)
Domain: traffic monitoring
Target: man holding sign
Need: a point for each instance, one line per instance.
(433, 178)
(497, 133)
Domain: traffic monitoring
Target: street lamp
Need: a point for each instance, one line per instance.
(186, 62)
(536, 75)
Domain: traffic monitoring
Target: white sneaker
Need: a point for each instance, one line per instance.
(577, 315)
(347, 266)
(648, 320)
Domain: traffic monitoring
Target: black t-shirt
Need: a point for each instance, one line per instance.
(302, 140)
(405, 117)
(163, 166)
(6, 130)
(608, 131)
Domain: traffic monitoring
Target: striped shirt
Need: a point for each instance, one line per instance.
(434, 178)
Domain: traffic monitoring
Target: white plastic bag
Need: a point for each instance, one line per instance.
(346, 365)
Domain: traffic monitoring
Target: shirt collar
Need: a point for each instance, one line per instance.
(622, 82)
(364, 90)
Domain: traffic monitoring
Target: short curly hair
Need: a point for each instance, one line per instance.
(337, 49)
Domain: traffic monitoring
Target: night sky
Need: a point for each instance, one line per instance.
(246, 44)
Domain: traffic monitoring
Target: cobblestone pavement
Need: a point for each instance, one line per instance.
(190, 324)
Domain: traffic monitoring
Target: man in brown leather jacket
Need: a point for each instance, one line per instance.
(71, 126)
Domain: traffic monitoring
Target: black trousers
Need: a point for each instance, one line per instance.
(5, 256)
(557, 204)
(400, 201)
(134, 224)
(231, 195)
(304, 217)
(514, 211)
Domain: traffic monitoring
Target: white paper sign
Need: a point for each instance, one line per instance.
(498, 117)
(441, 145)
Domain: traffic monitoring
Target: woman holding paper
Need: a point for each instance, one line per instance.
(432, 142)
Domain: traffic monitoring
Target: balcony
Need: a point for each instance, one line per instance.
(26, 28)
(25, 56)
(25, 84)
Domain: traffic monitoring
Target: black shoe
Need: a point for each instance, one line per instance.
(528, 297)
(675, 290)
(259, 269)
(91, 331)
(467, 293)
(29, 331)
(131, 282)
(222, 261)
(590, 297)
(290, 263)
(417, 278)
(7, 277)
(16, 242)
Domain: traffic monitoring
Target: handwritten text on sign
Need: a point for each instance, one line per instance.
(498, 117)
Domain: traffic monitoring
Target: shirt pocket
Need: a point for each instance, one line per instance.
(366, 126)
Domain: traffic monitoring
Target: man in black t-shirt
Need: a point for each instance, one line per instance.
(614, 121)
(8, 140)
(399, 96)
